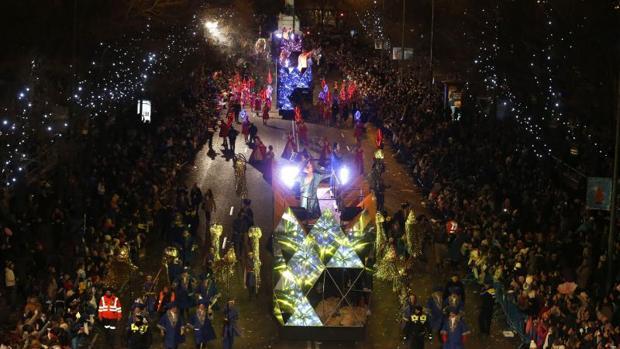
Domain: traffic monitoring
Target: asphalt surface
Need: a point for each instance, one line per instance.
(258, 326)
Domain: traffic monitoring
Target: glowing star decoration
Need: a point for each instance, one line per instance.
(255, 234)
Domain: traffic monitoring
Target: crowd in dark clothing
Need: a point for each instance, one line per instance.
(516, 226)
(62, 231)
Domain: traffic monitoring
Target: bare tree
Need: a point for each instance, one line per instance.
(156, 9)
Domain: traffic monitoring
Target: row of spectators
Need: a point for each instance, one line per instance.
(62, 232)
(518, 227)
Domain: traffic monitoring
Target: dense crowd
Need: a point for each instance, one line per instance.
(504, 212)
(62, 233)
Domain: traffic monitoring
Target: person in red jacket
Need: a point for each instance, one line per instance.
(110, 314)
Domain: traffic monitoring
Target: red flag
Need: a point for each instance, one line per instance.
(269, 78)
(298, 117)
(379, 138)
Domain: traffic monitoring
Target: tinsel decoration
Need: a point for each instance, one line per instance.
(255, 234)
(224, 268)
(216, 232)
(241, 185)
(380, 238)
(413, 238)
(386, 266)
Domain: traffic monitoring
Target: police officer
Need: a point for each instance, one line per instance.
(417, 328)
(139, 333)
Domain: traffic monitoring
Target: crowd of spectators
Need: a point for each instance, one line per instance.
(61, 232)
(519, 228)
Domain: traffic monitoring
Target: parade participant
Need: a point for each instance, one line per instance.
(245, 130)
(435, 308)
(454, 331)
(207, 289)
(139, 334)
(266, 110)
(166, 297)
(290, 147)
(253, 131)
(359, 158)
(325, 153)
(454, 301)
(249, 276)
(487, 302)
(455, 286)
(417, 328)
(302, 129)
(188, 248)
(195, 195)
(149, 294)
(309, 185)
(230, 330)
(232, 139)
(224, 133)
(258, 154)
(201, 323)
(210, 133)
(171, 327)
(258, 101)
(268, 164)
(184, 291)
(110, 313)
(358, 132)
(175, 269)
(209, 207)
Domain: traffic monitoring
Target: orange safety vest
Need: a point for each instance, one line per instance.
(110, 308)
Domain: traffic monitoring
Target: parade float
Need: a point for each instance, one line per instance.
(322, 266)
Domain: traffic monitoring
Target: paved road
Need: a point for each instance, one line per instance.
(258, 326)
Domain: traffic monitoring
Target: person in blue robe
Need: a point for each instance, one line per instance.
(454, 331)
(201, 323)
(435, 307)
(184, 286)
(171, 326)
(230, 330)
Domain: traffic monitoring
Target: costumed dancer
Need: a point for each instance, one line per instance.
(413, 237)
(386, 268)
(289, 148)
(230, 330)
(171, 327)
(258, 154)
(224, 126)
(245, 129)
(358, 132)
(166, 297)
(266, 110)
(435, 308)
(201, 323)
(258, 101)
(325, 152)
(302, 130)
(454, 331)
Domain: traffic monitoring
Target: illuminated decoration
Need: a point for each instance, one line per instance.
(413, 237)
(216, 232)
(308, 269)
(144, 110)
(380, 236)
(241, 185)
(255, 234)
(291, 76)
(371, 21)
(289, 175)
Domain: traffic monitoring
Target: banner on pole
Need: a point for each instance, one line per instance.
(598, 195)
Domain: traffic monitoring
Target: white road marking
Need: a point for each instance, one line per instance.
(232, 209)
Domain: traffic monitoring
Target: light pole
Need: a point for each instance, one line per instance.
(402, 42)
(611, 239)
(432, 36)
